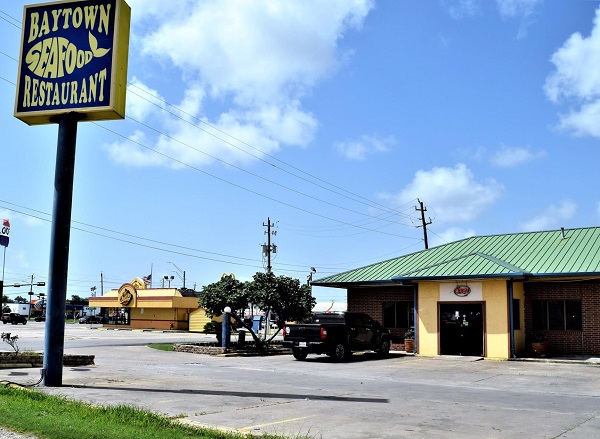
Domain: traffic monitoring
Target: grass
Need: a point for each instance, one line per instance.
(54, 417)
(162, 346)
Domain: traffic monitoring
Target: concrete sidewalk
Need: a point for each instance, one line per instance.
(401, 396)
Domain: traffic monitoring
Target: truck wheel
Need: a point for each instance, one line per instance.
(24, 322)
(384, 349)
(339, 352)
(299, 354)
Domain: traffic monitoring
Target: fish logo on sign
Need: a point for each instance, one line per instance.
(4, 233)
(56, 57)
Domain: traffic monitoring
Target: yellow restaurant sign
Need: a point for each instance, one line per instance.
(73, 58)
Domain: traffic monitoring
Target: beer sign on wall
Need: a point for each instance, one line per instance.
(73, 58)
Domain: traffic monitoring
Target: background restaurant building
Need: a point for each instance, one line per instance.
(489, 296)
(138, 307)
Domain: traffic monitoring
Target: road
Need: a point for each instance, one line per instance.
(31, 336)
(366, 397)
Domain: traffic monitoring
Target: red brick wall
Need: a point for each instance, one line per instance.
(584, 342)
(370, 301)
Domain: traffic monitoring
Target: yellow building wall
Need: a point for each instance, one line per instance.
(428, 338)
(519, 293)
(495, 297)
(154, 318)
(496, 318)
(198, 319)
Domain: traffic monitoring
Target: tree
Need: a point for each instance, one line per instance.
(283, 295)
(228, 291)
(286, 297)
(20, 299)
(6, 299)
(77, 300)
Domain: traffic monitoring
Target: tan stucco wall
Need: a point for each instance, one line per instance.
(495, 297)
(496, 318)
(429, 295)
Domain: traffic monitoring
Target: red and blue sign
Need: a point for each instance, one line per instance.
(4, 232)
(73, 58)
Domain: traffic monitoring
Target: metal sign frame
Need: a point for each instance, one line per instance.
(73, 58)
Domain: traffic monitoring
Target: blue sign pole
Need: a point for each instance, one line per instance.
(59, 249)
(225, 328)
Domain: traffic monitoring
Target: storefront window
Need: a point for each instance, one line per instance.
(398, 314)
(557, 315)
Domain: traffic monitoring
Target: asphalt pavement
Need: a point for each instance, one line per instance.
(365, 397)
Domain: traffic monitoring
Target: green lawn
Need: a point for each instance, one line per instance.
(162, 346)
(53, 417)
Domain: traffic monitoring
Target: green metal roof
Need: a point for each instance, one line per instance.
(517, 255)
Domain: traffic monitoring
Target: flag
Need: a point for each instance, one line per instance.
(4, 232)
(147, 279)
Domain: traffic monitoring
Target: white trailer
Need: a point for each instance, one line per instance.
(20, 308)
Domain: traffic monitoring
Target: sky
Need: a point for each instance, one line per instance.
(330, 119)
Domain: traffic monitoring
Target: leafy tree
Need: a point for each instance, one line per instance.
(228, 291)
(286, 297)
(6, 299)
(283, 295)
(20, 299)
(77, 300)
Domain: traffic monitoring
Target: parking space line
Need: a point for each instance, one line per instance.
(252, 427)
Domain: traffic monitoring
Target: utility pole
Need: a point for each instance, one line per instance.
(269, 248)
(423, 209)
(31, 284)
(30, 293)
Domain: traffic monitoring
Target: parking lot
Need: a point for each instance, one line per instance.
(400, 396)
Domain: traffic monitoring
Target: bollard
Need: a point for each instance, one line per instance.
(241, 338)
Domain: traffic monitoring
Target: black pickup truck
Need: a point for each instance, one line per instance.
(13, 318)
(336, 334)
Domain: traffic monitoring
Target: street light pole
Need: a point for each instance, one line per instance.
(180, 272)
(169, 279)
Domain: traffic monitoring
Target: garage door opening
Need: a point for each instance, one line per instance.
(461, 329)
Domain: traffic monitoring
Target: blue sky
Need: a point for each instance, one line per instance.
(330, 118)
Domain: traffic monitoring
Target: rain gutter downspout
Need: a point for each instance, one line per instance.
(416, 315)
(511, 319)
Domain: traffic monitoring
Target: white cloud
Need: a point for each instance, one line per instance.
(520, 9)
(364, 146)
(254, 60)
(449, 235)
(510, 156)
(553, 216)
(517, 8)
(459, 9)
(576, 80)
(452, 193)
(142, 100)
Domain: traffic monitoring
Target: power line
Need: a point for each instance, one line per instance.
(239, 186)
(368, 202)
(247, 171)
(256, 175)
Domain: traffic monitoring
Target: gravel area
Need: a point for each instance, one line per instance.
(8, 434)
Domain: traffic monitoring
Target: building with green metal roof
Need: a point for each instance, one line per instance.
(488, 295)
